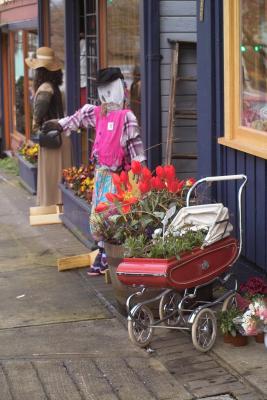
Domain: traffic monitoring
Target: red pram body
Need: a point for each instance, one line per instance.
(193, 269)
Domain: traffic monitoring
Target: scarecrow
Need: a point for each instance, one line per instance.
(117, 140)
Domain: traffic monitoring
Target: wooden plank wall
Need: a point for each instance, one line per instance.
(178, 22)
(254, 202)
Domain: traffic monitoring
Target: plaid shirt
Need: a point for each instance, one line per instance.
(130, 140)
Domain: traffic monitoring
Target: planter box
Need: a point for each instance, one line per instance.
(27, 174)
(76, 215)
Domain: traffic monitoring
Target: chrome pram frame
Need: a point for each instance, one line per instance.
(185, 311)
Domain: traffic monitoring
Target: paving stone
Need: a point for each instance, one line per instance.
(158, 380)
(4, 392)
(124, 380)
(90, 381)
(23, 381)
(58, 384)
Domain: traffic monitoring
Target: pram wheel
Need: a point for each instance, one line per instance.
(204, 330)
(168, 306)
(229, 302)
(139, 326)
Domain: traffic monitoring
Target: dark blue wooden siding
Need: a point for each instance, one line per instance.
(215, 159)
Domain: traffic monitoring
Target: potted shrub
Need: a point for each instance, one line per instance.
(77, 187)
(27, 160)
(229, 328)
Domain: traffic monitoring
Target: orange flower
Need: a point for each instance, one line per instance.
(190, 182)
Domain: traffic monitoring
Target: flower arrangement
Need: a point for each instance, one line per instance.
(30, 152)
(254, 319)
(255, 286)
(250, 290)
(132, 214)
(80, 180)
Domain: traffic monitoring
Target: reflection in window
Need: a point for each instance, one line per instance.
(123, 45)
(32, 47)
(57, 22)
(19, 82)
(253, 49)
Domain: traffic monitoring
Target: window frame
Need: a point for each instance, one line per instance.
(236, 136)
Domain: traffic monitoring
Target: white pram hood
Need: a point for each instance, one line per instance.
(214, 217)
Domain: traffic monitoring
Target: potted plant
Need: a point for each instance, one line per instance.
(229, 327)
(130, 216)
(77, 187)
(27, 160)
(254, 320)
(251, 292)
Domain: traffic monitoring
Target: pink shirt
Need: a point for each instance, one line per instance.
(107, 145)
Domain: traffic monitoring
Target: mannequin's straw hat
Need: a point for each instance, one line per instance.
(45, 57)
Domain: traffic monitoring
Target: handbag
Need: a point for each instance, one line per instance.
(50, 140)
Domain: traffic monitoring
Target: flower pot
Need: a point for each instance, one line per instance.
(27, 174)
(227, 338)
(259, 338)
(239, 340)
(76, 215)
(122, 292)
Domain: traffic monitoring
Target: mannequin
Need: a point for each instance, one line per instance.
(48, 104)
(117, 142)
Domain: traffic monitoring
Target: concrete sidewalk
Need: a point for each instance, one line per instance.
(61, 336)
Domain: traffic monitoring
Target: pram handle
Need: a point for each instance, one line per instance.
(224, 178)
(219, 179)
(215, 179)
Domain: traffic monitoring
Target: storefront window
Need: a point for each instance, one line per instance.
(19, 82)
(57, 23)
(32, 40)
(123, 45)
(245, 87)
(253, 49)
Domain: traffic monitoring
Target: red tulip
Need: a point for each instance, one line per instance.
(181, 185)
(116, 179)
(101, 207)
(136, 167)
(173, 186)
(157, 183)
(111, 197)
(146, 173)
(144, 186)
(169, 172)
(160, 172)
(123, 177)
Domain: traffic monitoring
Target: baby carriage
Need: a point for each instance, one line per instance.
(181, 280)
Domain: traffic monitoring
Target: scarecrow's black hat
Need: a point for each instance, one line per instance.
(108, 75)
